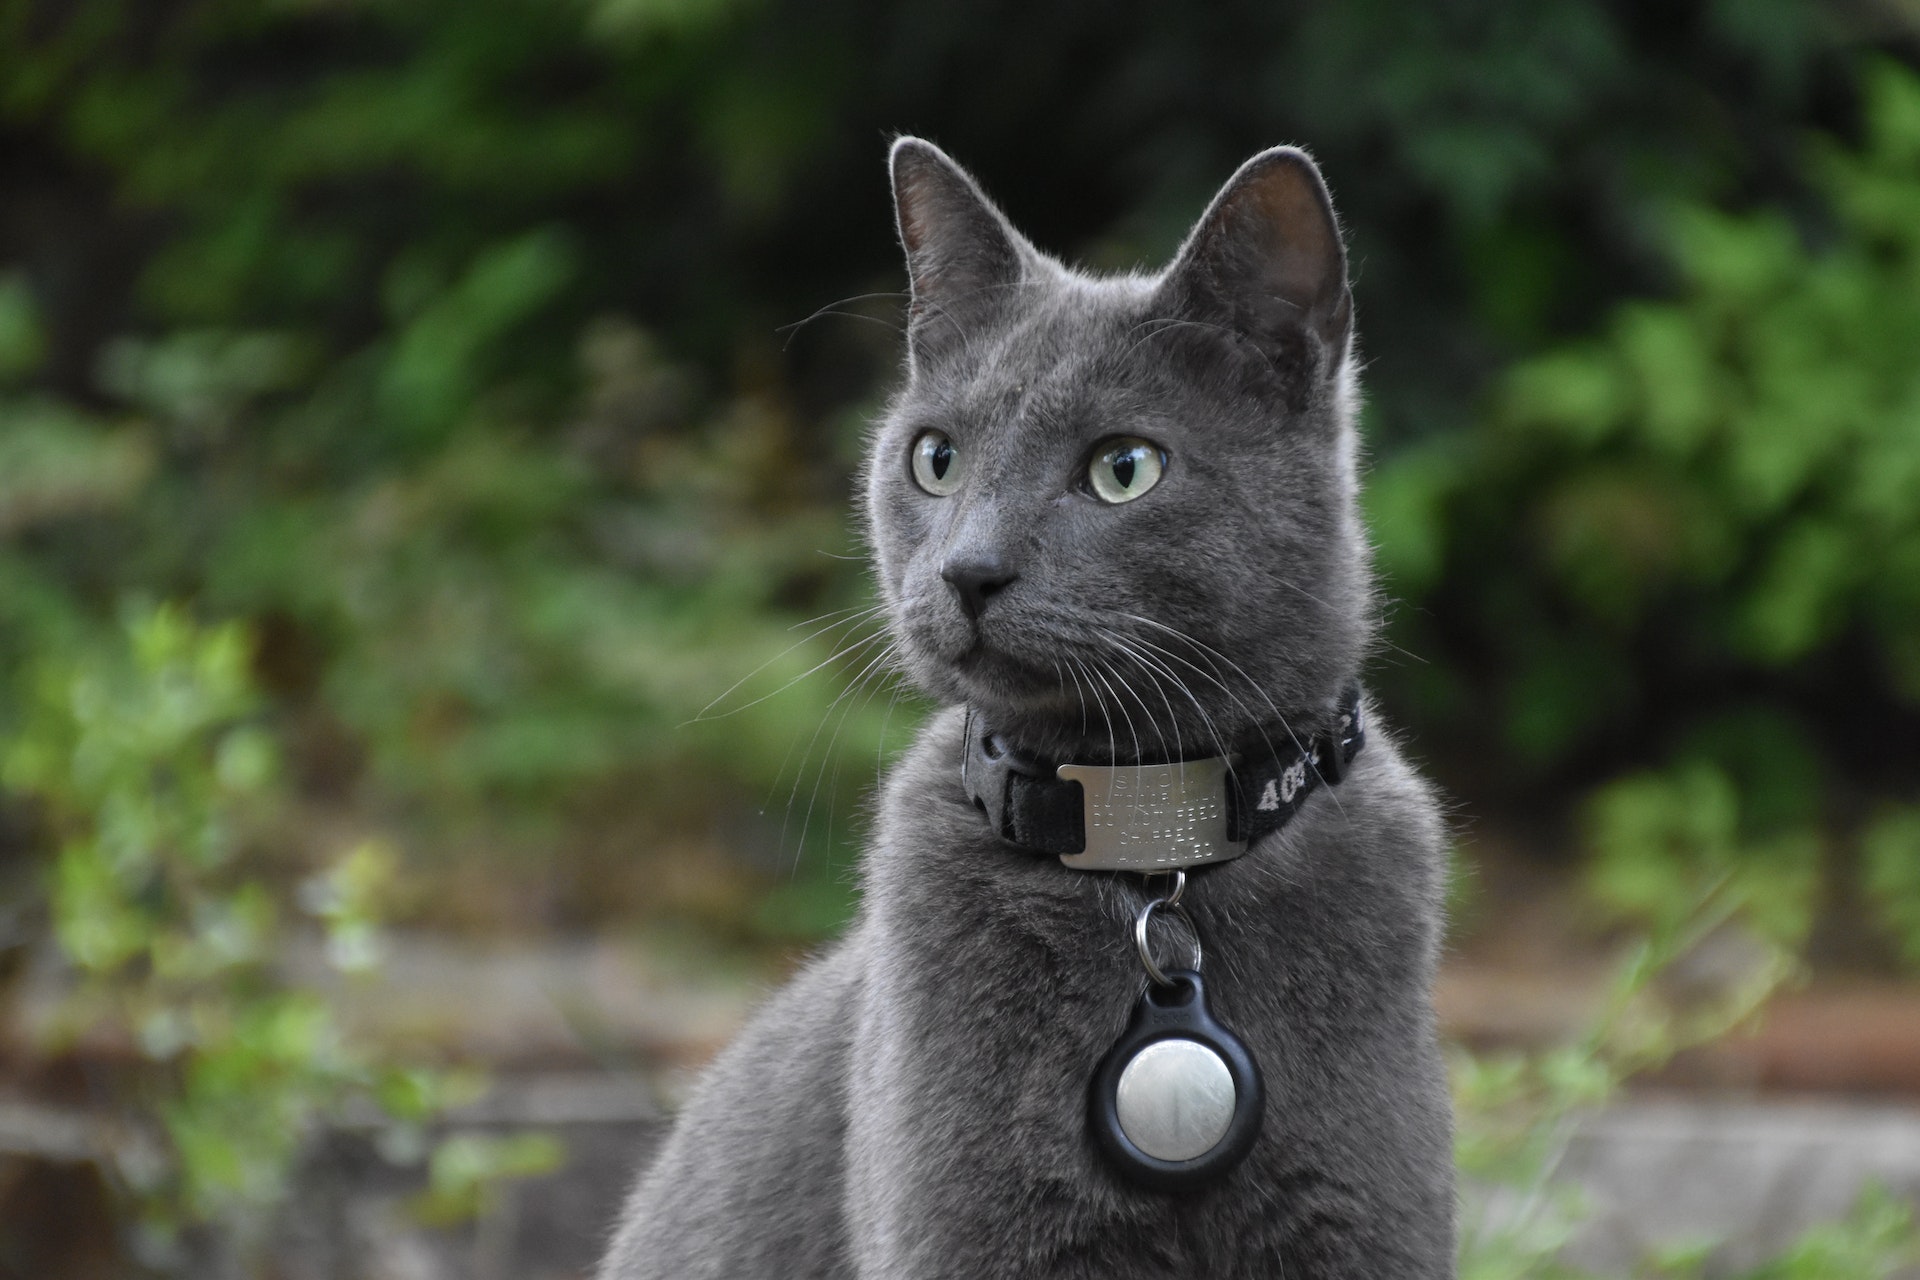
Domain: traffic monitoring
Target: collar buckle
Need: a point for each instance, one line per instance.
(997, 764)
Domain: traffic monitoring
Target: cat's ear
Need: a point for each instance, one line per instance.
(1266, 260)
(963, 256)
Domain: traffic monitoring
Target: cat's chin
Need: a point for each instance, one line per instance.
(992, 680)
(1036, 711)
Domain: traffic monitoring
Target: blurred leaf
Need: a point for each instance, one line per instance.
(56, 464)
(1876, 1241)
(22, 344)
(435, 369)
(1661, 841)
(468, 1170)
(1891, 850)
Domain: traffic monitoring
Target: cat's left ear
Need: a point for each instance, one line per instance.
(1266, 260)
(963, 256)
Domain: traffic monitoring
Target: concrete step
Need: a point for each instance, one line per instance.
(1655, 1172)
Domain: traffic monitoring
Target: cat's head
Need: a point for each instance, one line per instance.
(1122, 510)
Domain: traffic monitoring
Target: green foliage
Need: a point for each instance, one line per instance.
(360, 345)
(435, 343)
(22, 345)
(1516, 1115)
(145, 759)
(1876, 1241)
(379, 392)
(1740, 466)
(1720, 493)
(1891, 851)
(1662, 839)
(148, 762)
(468, 1170)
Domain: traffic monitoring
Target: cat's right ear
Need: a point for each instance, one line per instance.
(963, 256)
(1266, 260)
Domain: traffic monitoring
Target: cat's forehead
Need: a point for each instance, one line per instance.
(1063, 348)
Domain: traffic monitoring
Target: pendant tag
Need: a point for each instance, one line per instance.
(1177, 1102)
(1152, 817)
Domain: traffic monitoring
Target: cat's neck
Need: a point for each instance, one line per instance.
(1153, 739)
(1150, 815)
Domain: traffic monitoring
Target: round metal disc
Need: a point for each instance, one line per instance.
(1175, 1099)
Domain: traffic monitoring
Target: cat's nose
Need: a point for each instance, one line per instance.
(976, 578)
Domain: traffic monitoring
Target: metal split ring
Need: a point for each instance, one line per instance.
(1171, 902)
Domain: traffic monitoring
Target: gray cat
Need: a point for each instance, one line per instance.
(1114, 521)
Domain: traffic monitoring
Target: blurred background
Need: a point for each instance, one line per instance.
(434, 700)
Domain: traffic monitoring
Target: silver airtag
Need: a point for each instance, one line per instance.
(1176, 1103)
(1175, 1099)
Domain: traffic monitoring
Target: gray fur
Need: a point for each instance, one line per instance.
(913, 1105)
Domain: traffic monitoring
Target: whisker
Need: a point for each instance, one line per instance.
(1173, 721)
(1153, 664)
(1081, 694)
(800, 769)
(824, 662)
(875, 666)
(1131, 729)
(1213, 676)
(1210, 676)
(1167, 324)
(834, 309)
(933, 309)
(1205, 649)
(1113, 748)
(792, 330)
(853, 608)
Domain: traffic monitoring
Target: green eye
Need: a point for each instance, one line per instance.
(936, 464)
(1124, 468)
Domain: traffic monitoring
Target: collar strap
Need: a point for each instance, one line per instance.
(1153, 817)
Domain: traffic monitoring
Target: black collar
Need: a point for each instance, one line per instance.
(1028, 804)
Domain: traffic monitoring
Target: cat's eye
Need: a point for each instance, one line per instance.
(1125, 467)
(936, 464)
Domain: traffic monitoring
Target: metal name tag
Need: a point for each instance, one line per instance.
(1153, 817)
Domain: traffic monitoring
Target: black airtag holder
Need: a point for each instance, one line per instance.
(1176, 1011)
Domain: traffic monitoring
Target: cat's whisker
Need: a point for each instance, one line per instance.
(1209, 652)
(1166, 324)
(900, 294)
(835, 613)
(851, 648)
(934, 311)
(944, 311)
(859, 616)
(1113, 748)
(1298, 745)
(1213, 676)
(1152, 665)
(1173, 721)
(793, 329)
(848, 696)
(1205, 649)
(1121, 704)
(853, 705)
(1130, 688)
(835, 309)
(800, 768)
(886, 722)
(1082, 695)
(1167, 655)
